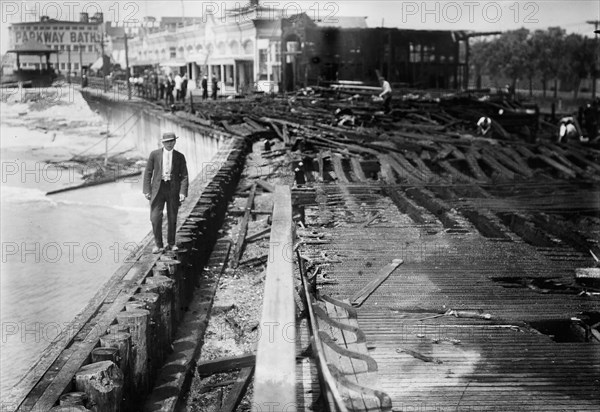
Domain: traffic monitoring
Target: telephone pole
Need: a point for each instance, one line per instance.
(103, 66)
(127, 67)
(596, 24)
(69, 64)
(81, 63)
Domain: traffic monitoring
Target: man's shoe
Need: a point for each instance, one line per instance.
(156, 249)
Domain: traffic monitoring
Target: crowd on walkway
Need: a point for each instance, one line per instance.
(170, 88)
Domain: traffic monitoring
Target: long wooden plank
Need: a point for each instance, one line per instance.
(553, 163)
(275, 376)
(475, 168)
(336, 159)
(494, 164)
(408, 166)
(566, 162)
(359, 297)
(239, 244)
(386, 171)
(226, 364)
(357, 169)
(402, 172)
(504, 159)
(455, 173)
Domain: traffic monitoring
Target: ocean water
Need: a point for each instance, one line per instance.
(57, 250)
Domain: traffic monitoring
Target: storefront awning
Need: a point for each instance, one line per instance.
(217, 61)
(173, 63)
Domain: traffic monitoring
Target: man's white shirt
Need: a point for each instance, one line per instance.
(167, 162)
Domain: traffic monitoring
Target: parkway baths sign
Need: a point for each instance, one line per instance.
(57, 37)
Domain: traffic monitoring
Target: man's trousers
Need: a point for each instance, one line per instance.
(156, 214)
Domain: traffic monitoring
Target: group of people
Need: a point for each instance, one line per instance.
(151, 85)
(215, 88)
(170, 88)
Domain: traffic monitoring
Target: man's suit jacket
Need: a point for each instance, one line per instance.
(154, 171)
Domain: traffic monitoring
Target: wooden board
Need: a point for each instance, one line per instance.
(359, 297)
(275, 374)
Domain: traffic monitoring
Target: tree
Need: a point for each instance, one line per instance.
(580, 60)
(549, 47)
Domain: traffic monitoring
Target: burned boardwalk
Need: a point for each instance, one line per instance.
(428, 269)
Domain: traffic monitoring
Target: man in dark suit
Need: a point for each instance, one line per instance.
(165, 181)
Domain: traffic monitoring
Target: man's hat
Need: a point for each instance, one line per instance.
(168, 137)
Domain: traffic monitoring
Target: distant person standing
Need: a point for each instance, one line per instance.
(178, 81)
(165, 181)
(204, 88)
(386, 94)
(215, 88)
(170, 87)
(184, 85)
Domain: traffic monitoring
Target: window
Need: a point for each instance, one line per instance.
(62, 46)
(62, 66)
(76, 66)
(75, 48)
(172, 52)
(90, 48)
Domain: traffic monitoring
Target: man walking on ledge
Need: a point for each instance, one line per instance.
(165, 181)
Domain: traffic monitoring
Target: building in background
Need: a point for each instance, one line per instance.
(75, 44)
(345, 49)
(241, 50)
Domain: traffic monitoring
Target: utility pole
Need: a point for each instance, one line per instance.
(596, 24)
(69, 64)
(127, 67)
(81, 64)
(102, 56)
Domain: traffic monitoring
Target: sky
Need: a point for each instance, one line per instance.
(481, 16)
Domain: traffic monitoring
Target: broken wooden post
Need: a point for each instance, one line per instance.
(103, 382)
(165, 291)
(122, 342)
(155, 354)
(101, 354)
(138, 320)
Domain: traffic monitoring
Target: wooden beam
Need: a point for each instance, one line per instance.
(235, 395)
(267, 186)
(275, 377)
(239, 244)
(336, 159)
(227, 364)
(357, 169)
(257, 235)
(359, 297)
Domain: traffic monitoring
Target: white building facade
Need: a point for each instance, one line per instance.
(241, 52)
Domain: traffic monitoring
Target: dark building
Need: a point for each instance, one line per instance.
(312, 53)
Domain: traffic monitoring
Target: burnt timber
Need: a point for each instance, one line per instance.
(484, 313)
